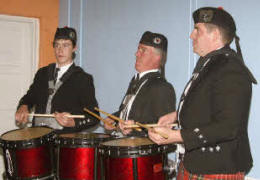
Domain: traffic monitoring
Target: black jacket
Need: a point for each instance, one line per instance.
(155, 99)
(214, 116)
(76, 93)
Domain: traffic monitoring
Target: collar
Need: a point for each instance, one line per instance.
(222, 50)
(63, 69)
(146, 72)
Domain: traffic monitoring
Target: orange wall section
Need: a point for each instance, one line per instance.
(47, 11)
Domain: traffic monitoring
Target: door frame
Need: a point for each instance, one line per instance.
(35, 37)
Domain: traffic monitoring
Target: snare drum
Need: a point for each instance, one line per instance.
(134, 158)
(77, 155)
(28, 153)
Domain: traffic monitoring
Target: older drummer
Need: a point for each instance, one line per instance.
(149, 95)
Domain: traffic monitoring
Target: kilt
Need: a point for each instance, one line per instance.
(183, 174)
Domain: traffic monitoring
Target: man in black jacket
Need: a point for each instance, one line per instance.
(60, 88)
(214, 107)
(149, 95)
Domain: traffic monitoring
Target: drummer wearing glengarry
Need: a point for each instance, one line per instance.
(149, 95)
(214, 106)
(61, 88)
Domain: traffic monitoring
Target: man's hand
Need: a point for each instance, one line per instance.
(124, 130)
(107, 125)
(64, 120)
(21, 115)
(168, 118)
(174, 136)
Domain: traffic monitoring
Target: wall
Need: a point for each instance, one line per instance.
(109, 32)
(47, 12)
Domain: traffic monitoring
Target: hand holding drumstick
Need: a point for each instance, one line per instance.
(123, 124)
(64, 119)
(174, 136)
(162, 134)
(121, 121)
(21, 116)
(124, 130)
(107, 123)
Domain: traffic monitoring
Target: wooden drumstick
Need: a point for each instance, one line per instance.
(110, 115)
(150, 128)
(98, 117)
(52, 115)
(151, 125)
(115, 118)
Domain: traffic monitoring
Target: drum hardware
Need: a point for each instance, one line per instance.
(170, 168)
(135, 169)
(96, 165)
(27, 144)
(57, 142)
(145, 152)
(131, 153)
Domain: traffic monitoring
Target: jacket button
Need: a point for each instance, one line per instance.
(218, 148)
(203, 149)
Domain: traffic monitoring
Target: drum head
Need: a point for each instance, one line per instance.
(129, 142)
(26, 136)
(81, 138)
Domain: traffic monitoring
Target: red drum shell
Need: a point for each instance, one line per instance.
(77, 155)
(28, 152)
(134, 158)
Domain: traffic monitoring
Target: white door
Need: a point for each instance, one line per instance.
(19, 46)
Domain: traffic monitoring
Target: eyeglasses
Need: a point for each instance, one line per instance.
(64, 45)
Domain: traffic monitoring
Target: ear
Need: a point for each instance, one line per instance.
(75, 48)
(217, 37)
(157, 60)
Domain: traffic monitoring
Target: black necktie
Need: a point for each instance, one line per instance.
(56, 74)
(136, 80)
(137, 77)
(198, 65)
(133, 86)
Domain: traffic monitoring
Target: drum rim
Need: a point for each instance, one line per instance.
(123, 151)
(80, 142)
(26, 143)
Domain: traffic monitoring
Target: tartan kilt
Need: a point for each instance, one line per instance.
(183, 174)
